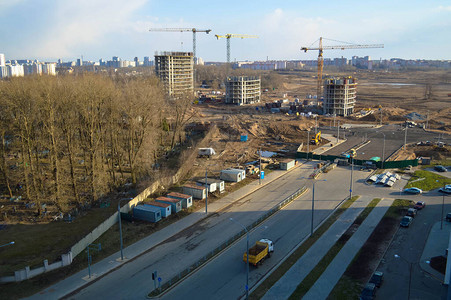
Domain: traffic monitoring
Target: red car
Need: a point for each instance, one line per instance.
(420, 205)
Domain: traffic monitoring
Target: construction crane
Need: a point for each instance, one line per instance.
(193, 30)
(228, 36)
(321, 60)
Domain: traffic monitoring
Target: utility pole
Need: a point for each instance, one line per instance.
(338, 132)
(308, 143)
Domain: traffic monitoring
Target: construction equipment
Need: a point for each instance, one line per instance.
(316, 139)
(193, 30)
(228, 36)
(321, 59)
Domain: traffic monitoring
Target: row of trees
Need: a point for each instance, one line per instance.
(71, 139)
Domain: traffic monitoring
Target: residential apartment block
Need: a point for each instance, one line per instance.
(175, 70)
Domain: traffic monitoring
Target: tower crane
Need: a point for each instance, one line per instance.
(193, 30)
(321, 59)
(228, 36)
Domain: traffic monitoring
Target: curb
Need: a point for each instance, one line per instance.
(231, 244)
(107, 272)
(274, 268)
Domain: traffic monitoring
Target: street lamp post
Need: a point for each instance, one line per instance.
(405, 138)
(316, 125)
(338, 131)
(352, 170)
(313, 204)
(206, 191)
(443, 206)
(308, 143)
(120, 226)
(247, 255)
(410, 273)
(260, 166)
(383, 150)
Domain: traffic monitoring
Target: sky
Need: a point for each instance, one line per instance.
(68, 29)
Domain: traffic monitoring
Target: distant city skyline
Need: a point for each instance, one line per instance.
(49, 30)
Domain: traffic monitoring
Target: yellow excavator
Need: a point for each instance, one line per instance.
(316, 139)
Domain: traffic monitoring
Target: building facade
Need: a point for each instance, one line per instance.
(339, 96)
(241, 90)
(176, 72)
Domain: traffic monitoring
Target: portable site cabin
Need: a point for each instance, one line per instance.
(198, 192)
(286, 164)
(211, 184)
(220, 185)
(176, 204)
(234, 175)
(147, 213)
(164, 207)
(187, 200)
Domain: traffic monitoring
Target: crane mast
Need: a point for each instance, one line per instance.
(228, 36)
(321, 48)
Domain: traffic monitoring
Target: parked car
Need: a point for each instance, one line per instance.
(440, 168)
(406, 221)
(411, 212)
(448, 217)
(368, 292)
(420, 205)
(413, 190)
(446, 190)
(377, 278)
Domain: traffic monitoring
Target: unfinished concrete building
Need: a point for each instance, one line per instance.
(339, 96)
(242, 90)
(175, 70)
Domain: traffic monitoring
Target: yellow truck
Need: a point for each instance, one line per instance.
(259, 252)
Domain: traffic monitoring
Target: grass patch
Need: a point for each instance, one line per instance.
(318, 270)
(290, 261)
(367, 259)
(430, 181)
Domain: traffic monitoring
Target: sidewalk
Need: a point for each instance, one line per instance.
(288, 283)
(109, 264)
(324, 285)
(436, 244)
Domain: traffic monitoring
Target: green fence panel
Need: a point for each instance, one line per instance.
(359, 162)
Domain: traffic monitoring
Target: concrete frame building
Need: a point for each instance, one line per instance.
(339, 96)
(242, 90)
(176, 72)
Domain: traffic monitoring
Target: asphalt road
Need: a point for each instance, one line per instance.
(225, 276)
(179, 252)
(408, 243)
(394, 139)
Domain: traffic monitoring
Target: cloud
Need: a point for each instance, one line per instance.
(77, 24)
(444, 8)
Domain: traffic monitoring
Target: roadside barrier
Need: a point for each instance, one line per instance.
(174, 280)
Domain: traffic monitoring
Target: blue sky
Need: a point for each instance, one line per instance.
(52, 29)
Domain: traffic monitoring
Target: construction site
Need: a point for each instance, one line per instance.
(253, 127)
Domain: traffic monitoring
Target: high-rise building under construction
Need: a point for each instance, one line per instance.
(243, 90)
(175, 70)
(339, 96)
